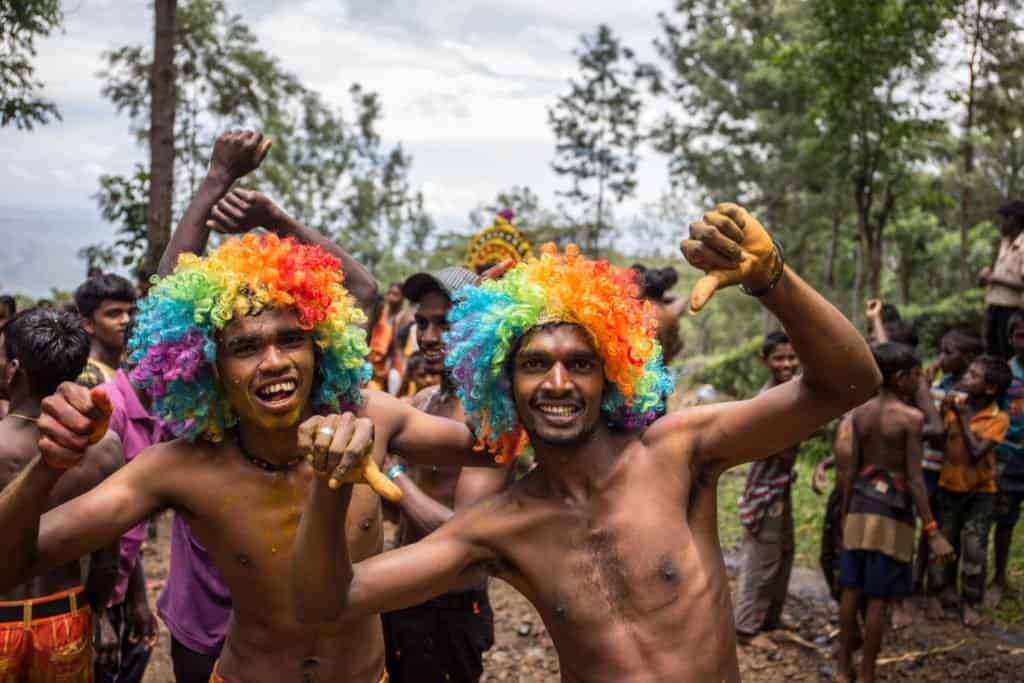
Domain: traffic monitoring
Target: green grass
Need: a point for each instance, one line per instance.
(809, 514)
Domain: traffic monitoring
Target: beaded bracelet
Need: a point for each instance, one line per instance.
(780, 267)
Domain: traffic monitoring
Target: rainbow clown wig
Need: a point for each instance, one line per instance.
(488, 319)
(173, 344)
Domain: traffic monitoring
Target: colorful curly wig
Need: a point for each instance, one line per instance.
(487, 320)
(173, 342)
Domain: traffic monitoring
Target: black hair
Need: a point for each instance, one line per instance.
(997, 374)
(94, 291)
(1016, 319)
(893, 358)
(1012, 209)
(771, 340)
(654, 282)
(901, 332)
(967, 344)
(8, 301)
(50, 346)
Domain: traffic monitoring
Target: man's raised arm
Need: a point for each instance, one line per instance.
(234, 155)
(839, 371)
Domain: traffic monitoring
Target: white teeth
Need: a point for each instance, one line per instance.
(558, 410)
(275, 388)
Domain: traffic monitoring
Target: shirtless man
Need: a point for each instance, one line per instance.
(880, 487)
(269, 348)
(443, 638)
(613, 535)
(39, 349)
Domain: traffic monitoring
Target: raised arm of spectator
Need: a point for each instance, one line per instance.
(234, 155)
(242, 210)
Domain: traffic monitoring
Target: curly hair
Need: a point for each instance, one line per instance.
(173, 342)
(488, 320)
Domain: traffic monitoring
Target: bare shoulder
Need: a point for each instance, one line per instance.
(384, 409)
(675, 431)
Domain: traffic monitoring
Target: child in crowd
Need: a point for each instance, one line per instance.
(766, 512)
(1009, 463)
(956, 351)
(967, 484)
(881, 484)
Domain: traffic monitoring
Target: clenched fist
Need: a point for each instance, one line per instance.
(732, 248)
(72, 419)
(338, 447)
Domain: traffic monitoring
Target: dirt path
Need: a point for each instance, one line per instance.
(523, 652)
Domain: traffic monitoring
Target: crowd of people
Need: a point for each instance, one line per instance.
(514, 419)
(945, 441)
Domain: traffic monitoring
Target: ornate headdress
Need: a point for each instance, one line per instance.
(173, 343)
(497, 243)
(599, 297)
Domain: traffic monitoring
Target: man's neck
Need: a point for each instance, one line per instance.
(394, 309)
(976, 403)
(890, 394)
(575, 472)
(25, 406)
(278, 446)
(107, 356)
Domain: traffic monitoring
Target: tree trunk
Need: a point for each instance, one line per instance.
(833, 249)
(163, 100)
(968, 151)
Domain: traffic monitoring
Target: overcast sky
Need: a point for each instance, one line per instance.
(465, 87)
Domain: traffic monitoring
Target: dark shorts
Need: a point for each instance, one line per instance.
(443, 639)
(878, 575)
(931, 482)
(1007, 508)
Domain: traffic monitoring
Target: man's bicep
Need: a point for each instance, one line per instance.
(430, 440)
(477, 483)
(776, 419)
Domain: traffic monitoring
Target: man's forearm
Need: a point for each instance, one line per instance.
(22, 503)
(358, 280)
(919, 493)
(191, 235)
(834, 358)
(976, 447)
(1003, 282)
(321, 570)
(423, 511)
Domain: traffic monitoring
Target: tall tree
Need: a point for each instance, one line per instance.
(329, 170)
(21, 22)
(597, 130)
(989, 34)
(163, 99)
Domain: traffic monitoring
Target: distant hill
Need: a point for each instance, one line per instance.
(38, 247)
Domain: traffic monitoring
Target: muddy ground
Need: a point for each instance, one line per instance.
(925, 652)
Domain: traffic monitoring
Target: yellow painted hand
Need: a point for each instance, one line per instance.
(366, 472)
(731, 247)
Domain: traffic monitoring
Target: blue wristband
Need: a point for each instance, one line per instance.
(395, 471)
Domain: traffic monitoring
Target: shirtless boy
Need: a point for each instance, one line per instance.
(878, 486)
(236, 350)
(613, 535)
(46, 623)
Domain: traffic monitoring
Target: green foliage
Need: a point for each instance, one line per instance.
(21, 22)
(123, 201)
(597, 129)
(964, 312)
(738, 372)
(329, 170)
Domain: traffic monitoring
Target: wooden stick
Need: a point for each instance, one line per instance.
(910, 656)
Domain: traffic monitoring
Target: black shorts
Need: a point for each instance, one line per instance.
(443, 639)
(878, 575)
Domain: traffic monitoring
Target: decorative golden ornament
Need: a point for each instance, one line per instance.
(497, 243)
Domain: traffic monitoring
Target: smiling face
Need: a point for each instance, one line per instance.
(431, 323)
(973, 382)
(265, 366)
(782, 362)
(557, 385)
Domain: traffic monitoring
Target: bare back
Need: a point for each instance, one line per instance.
(882, 426)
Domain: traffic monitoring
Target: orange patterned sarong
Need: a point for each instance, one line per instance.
(55, 649)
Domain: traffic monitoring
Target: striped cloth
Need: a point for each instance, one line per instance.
(767, 482)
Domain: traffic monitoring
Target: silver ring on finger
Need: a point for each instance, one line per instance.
(326, 431)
